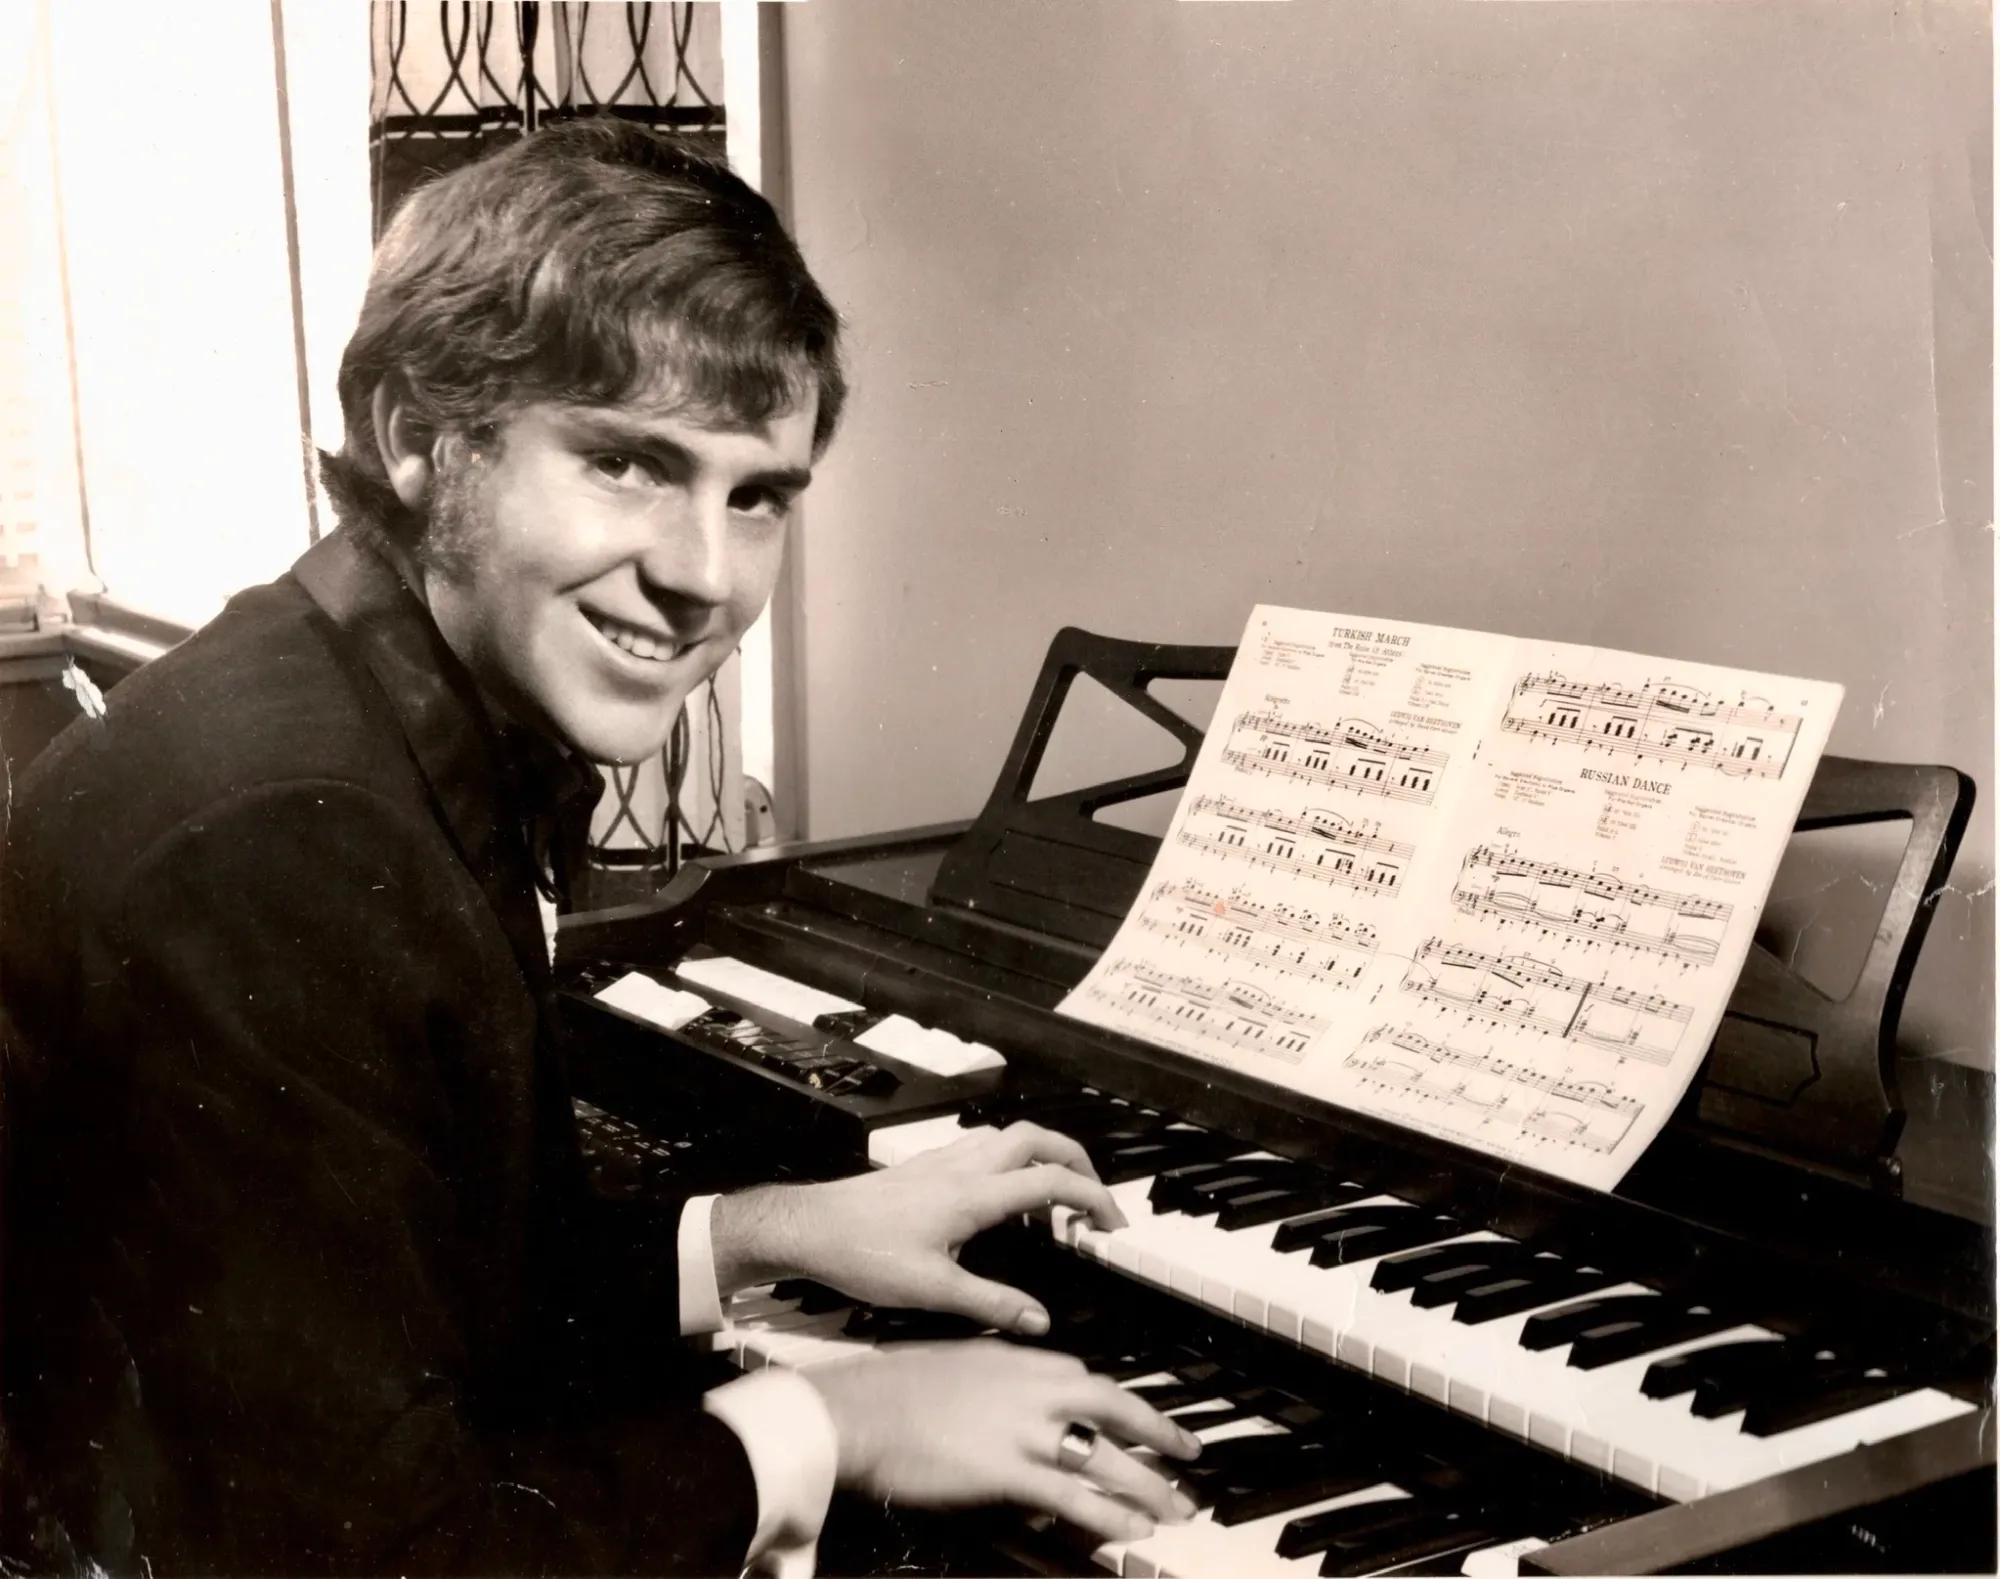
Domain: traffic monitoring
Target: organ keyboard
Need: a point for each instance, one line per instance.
(1745, 1357)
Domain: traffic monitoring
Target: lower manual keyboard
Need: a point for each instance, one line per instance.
(1284, 1488)
(1663, 1417)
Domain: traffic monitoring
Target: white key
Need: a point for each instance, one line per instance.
(766, 989)
(1386, 1329)
(1203, 1549)
(1500, 1562)
(803, 1349)
(1453, 1362)
(1540, 1396)
(890, 1144)
(1892, 1417)
(937, 1051)
(1249, 1425)
(639, 995)
(1598, 1417)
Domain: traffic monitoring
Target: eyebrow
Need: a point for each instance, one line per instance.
(615, 433)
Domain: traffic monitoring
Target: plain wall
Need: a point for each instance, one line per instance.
(1664, 326)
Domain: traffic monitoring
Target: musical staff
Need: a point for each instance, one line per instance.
(1515, 989)
(1597, 908)
(1559, 1108)
(1318, 844)
(1537, 865)
(1352, 755)
(1322, 947)
(1232, 1014)
(1662, 720)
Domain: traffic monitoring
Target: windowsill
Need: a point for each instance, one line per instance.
(100, 630)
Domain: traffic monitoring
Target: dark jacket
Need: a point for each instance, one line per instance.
(301, 1269)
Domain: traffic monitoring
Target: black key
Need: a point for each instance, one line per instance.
(848, 1023)
(1594, 1318)
(1719, 1363)
(1634, 1330)
(1171, 1395)
(1024, 1102)
(1413, 1267)
(1421, 1536)
(1538, 1282)
(865, 1080)
(1197, 1186)
(1305, 1228)
(1073, 1113)
(1244, 1456)
(1268, 1206)
(1203, 1194)
(1310, 1477)
(1801, 1367)
(1167, 1188)
(1236, 1182)
(1790, 1409)
(889, 1324)
(1227, 1409)
(1121, 1362)
(1447, 1288)
(1169, 1149)
(1316, 1532)
(815, 1299)
(1098, 1120)
(1369, 1231)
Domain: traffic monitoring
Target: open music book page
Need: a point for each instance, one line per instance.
(1492, 889)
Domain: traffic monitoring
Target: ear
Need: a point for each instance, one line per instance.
(404, 443)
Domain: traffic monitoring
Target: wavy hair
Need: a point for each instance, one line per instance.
(595, 262)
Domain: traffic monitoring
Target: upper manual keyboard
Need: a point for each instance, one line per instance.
(1672, 1391)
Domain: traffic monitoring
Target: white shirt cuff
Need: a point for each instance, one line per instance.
(788, 1437)
(701, 1299)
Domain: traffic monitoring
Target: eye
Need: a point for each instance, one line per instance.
(617, 466)
(769, 504)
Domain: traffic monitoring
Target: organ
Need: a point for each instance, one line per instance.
(1403, 1355)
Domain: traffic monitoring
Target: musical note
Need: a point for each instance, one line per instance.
(1561, 1109)
(1319, 844)
(1663, 720)
(1328, 948)
(1516, 989)
(1352, 755)
(1592, 906)
(1233, 1014)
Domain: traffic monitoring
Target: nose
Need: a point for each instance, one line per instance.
(688, 559)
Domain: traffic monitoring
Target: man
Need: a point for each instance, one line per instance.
(302, 1274)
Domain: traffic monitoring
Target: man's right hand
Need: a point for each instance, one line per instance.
(957, 1424)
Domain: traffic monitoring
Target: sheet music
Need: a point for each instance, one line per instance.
(1494, 890)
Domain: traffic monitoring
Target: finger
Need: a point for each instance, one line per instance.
(1023, 1143)
(993, 1303)
(1075, 1499)
(1114, 1470)
(1044, 1185)
(1109, 1407)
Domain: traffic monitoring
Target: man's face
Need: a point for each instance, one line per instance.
(593, 564)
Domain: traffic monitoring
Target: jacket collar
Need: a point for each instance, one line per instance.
(510, 801)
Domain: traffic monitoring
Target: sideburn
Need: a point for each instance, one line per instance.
(455, 517)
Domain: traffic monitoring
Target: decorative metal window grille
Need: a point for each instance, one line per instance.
(447, 80)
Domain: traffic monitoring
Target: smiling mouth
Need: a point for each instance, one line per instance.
(630, 639)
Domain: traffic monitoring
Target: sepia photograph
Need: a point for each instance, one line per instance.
(1184, 789)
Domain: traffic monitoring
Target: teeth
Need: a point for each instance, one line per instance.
(637, 643)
